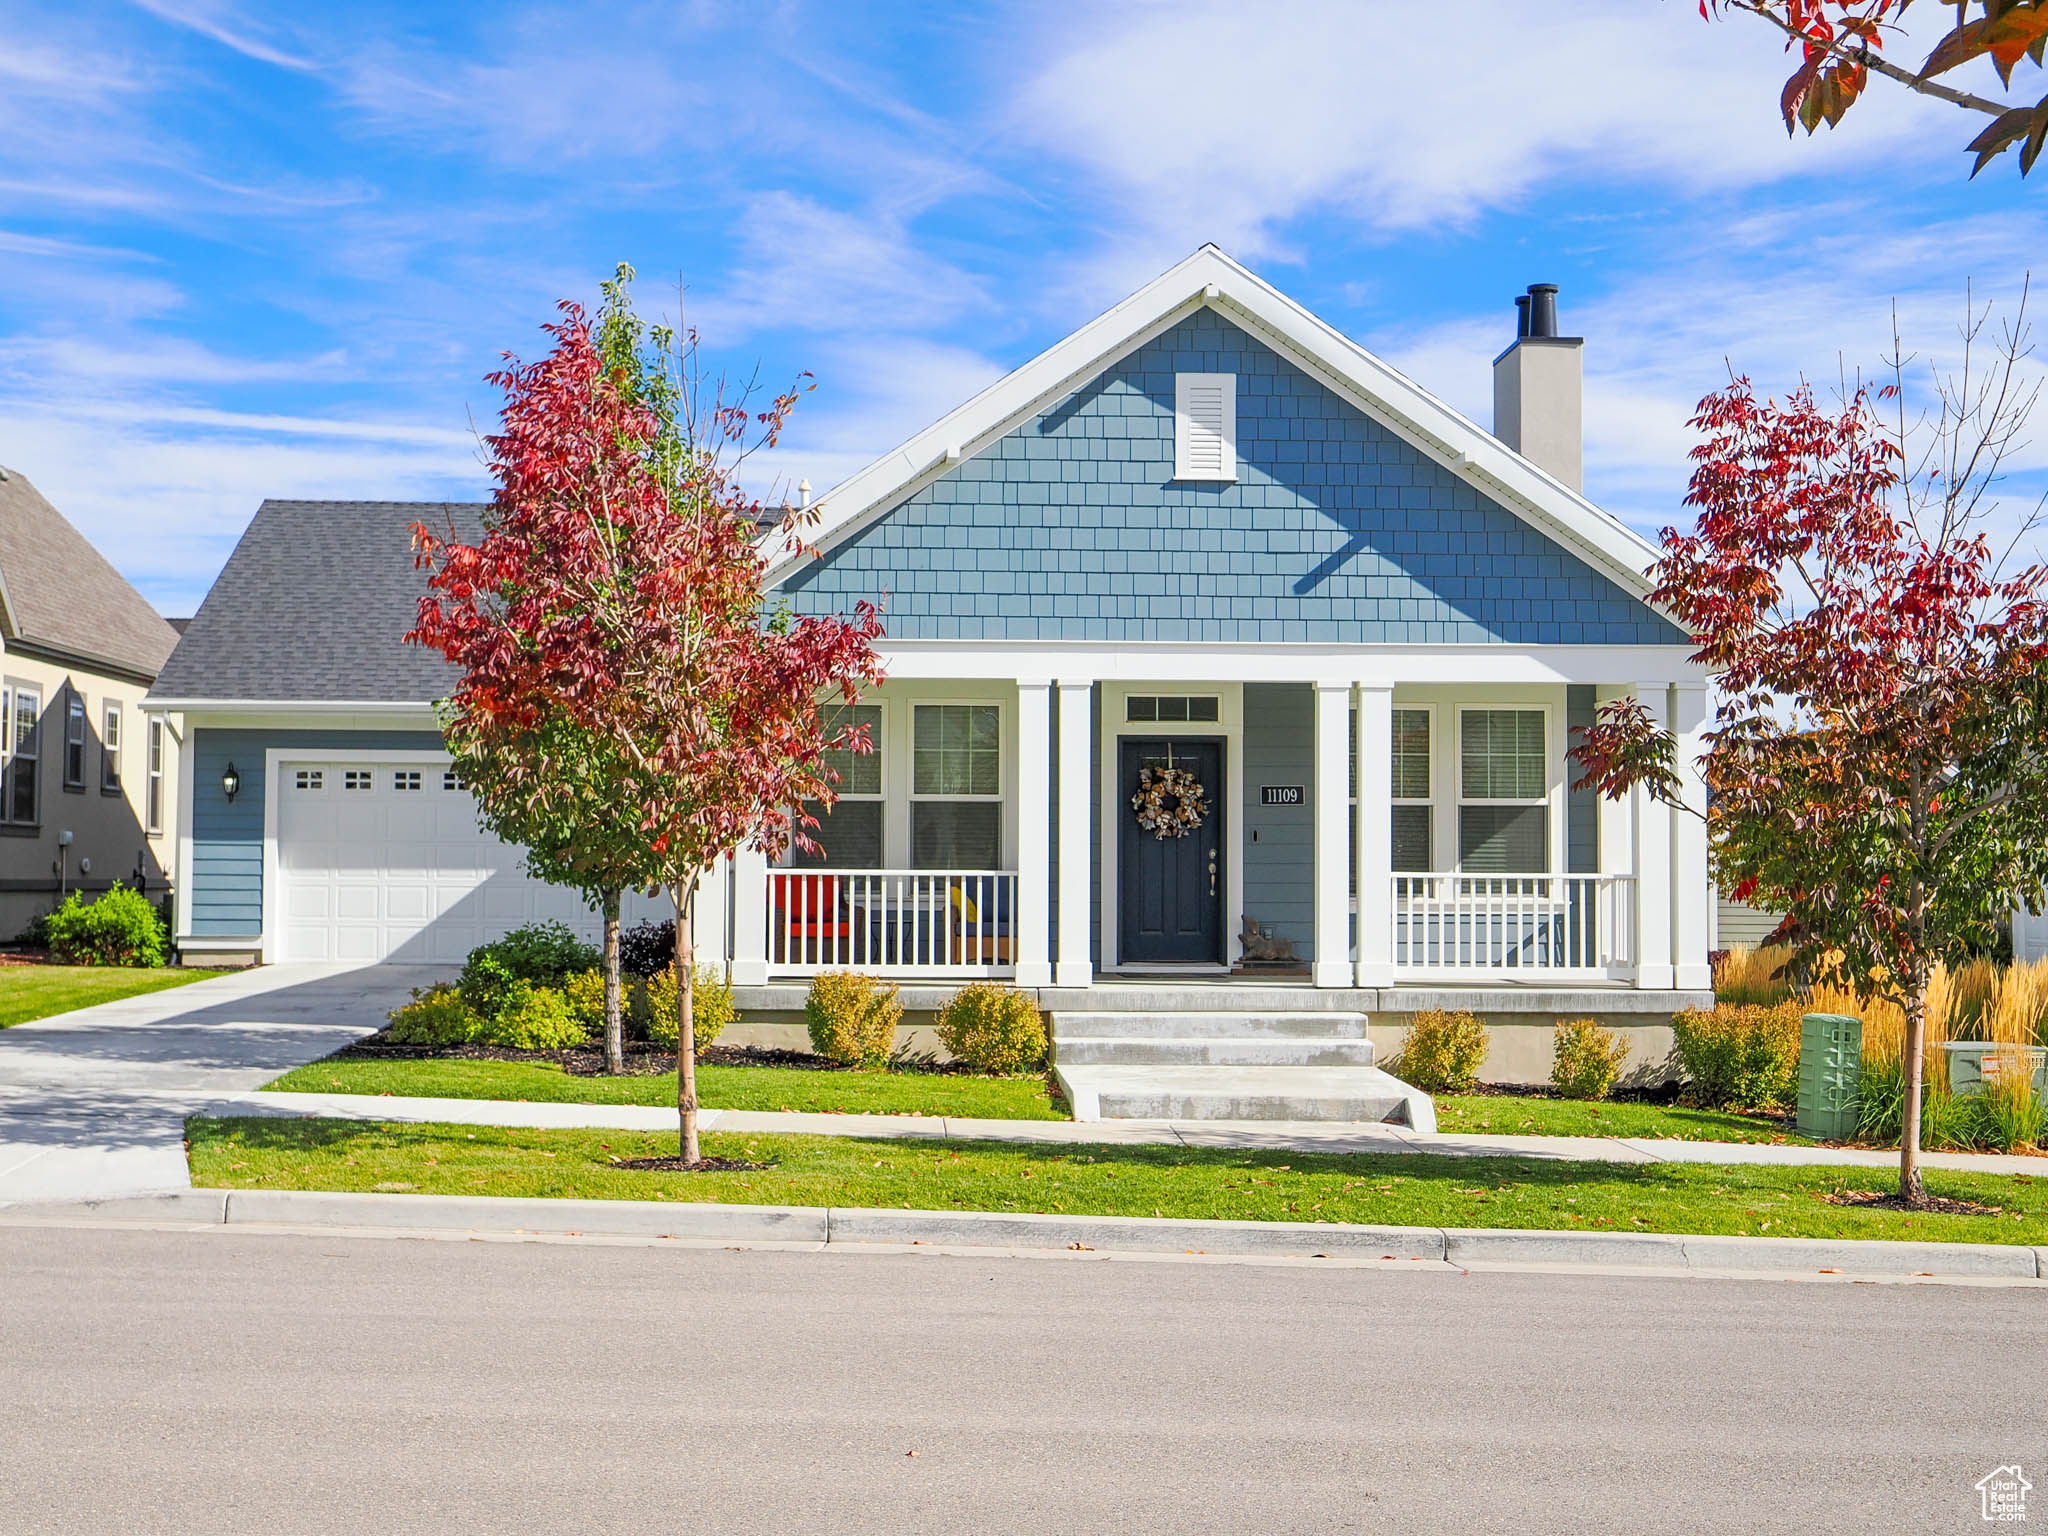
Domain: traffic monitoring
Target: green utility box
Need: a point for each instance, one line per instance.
(1830, 1075)
(1975, 1064)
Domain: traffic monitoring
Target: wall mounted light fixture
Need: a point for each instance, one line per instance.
(231, 782)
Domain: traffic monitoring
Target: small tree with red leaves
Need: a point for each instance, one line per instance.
(1878, 762)
(618, 592)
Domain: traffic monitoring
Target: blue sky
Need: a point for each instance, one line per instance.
(249, 253)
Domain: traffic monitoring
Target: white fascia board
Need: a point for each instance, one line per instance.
(219, 714)
(1197, 662)
(1341, 364)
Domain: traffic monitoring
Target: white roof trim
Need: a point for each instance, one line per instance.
(1212, 278)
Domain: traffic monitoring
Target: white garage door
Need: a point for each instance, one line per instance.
(385, 861)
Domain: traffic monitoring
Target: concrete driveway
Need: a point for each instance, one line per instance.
(94, 1102)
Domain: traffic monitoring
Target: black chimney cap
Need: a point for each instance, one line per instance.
(1542, 309)
(1521, 315)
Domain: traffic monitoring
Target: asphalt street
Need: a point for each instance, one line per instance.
(215, 1380)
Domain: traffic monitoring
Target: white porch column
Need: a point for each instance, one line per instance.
(1034, 833)
(708, 934)
(1333, 835)
(749, 919)
(1077, 806)
(1691, 896)
(1374, 832)
(1653, 864)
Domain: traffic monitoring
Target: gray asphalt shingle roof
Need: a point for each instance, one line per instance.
(63, 595)
(314, 604)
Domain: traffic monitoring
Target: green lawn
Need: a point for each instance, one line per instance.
(1512, 1115)
(771, 1088)
(1402, 1190)
(39, 991)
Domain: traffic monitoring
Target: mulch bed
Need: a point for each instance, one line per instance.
(702, 1165)
(1936, 1205)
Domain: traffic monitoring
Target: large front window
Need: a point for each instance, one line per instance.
(1503, 792)
(850, 834)
(956, 786)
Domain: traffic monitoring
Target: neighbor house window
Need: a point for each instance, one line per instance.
(849, 836)
(21, 712)
(110, 749)
(74, 741)
(956, 786)
(1410, 775)
(1503, 792)
(153, 797)
(1205, 426)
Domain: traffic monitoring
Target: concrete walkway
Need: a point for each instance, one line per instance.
(94, 1102)
(1265, 1135)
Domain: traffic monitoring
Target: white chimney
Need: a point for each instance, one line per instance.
(1539, 390)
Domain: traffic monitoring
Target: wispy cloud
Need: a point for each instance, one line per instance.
(222, 25)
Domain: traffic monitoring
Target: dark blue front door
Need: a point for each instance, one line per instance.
(1170, 904)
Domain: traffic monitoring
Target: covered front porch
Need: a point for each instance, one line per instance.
(1357, 820)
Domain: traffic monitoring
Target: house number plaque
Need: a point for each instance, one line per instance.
(1280, 794)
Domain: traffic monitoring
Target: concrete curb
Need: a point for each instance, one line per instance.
(841, 1226)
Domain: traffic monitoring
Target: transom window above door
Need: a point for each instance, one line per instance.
(1175, 707)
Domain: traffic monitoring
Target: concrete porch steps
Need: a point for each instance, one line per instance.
(1213, 1051)
(1152, 1063)
(1210, 1023)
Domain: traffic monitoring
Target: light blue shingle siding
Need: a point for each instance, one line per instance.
(225, 883)
(1338, 531)
(1279, 840)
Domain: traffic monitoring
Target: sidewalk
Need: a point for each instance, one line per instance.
(1264, 1135)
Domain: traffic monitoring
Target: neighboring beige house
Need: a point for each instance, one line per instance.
(86, 791)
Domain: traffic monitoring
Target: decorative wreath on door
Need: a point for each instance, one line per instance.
(1170, 802)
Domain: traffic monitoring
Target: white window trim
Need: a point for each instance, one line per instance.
(75, 716)
(1553, 829)
(1186, 436)
(153, 779)
(110, 747)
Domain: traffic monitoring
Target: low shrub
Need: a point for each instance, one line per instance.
(543, 954)
(2005, 1118)
(1442, 1051)
(584, 993)
(35, 933)
(852, 1018)
(121, 928)
(532, 1019)
(436, 1016)
(711, 1007)
(1585, 1059)
(485, 983)
(647, 949)
(993, 1028)
(1740, 1055)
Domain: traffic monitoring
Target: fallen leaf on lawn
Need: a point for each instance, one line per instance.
(1081, 1247)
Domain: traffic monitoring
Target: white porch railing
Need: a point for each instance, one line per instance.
(904, 922)
(1477, 923)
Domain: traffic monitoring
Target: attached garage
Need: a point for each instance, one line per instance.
(384, 860)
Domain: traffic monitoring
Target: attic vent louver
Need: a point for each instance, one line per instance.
(1205, 426)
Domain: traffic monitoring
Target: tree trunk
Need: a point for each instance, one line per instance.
(614, 990)
(686, 1021)
(1910, 1188)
